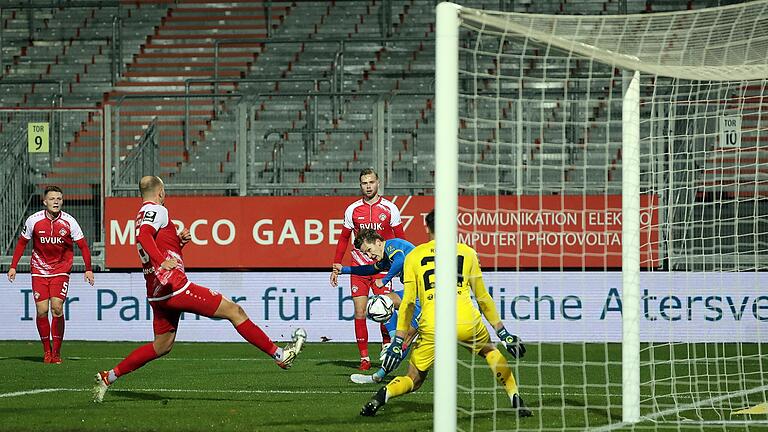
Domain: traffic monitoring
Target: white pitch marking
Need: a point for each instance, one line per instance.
(165, 390)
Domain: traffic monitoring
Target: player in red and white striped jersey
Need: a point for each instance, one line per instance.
(53, 234)
(170, 293)
(372, 212)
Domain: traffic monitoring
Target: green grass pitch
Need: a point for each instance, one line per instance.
(234, 387)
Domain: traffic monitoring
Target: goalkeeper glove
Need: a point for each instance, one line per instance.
(394, 355)
(512, 343)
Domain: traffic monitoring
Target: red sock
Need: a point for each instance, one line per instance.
(44, 329)
(361, 332)
(256, 337)
(138, 358)
(385, 334)
(57, 333)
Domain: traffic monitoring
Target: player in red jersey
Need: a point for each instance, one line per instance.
(377, 213)
(170, 293)
(53, 234)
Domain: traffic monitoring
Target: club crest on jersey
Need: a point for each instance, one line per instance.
(62, 232)
(354, 289)
(382, 217)
(37, 295)
(149, 216)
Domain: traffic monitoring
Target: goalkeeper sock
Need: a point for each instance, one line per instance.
(44, 329)
(399, 386)
(361, 333)
(256, 337)
(502, 372)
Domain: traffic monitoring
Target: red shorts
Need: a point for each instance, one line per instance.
(47, 287)
(195, 299)
(362, 285)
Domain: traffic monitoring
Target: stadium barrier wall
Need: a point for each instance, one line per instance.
(539, 306)
(287, 232)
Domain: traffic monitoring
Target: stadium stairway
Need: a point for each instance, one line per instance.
(73, 46)
(277, 116)
(181, 47)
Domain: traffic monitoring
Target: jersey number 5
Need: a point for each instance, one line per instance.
(459, 274)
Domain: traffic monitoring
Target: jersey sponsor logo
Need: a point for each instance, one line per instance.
(149, 216)
(51, 240)
(62, 232)
(377, 226)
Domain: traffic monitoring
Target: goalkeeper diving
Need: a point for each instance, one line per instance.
(389, 255)
(418, 279)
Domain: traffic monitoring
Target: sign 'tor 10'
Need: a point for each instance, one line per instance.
(730, 131)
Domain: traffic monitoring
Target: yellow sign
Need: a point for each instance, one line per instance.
(37, 137)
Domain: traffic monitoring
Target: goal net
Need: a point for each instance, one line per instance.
(612, 174)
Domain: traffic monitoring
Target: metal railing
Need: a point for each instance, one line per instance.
(142, 160)
(189, 81)
(17, 188)
(337, 66)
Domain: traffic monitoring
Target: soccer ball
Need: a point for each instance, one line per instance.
(380, 308)
(299, 333)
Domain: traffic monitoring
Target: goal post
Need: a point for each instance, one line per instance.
(630, 250)
(610, 172)
(446, 206)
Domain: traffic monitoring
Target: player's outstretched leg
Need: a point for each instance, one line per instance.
(377, 401)
(503, 373)
(398, 386)
(252, 333)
